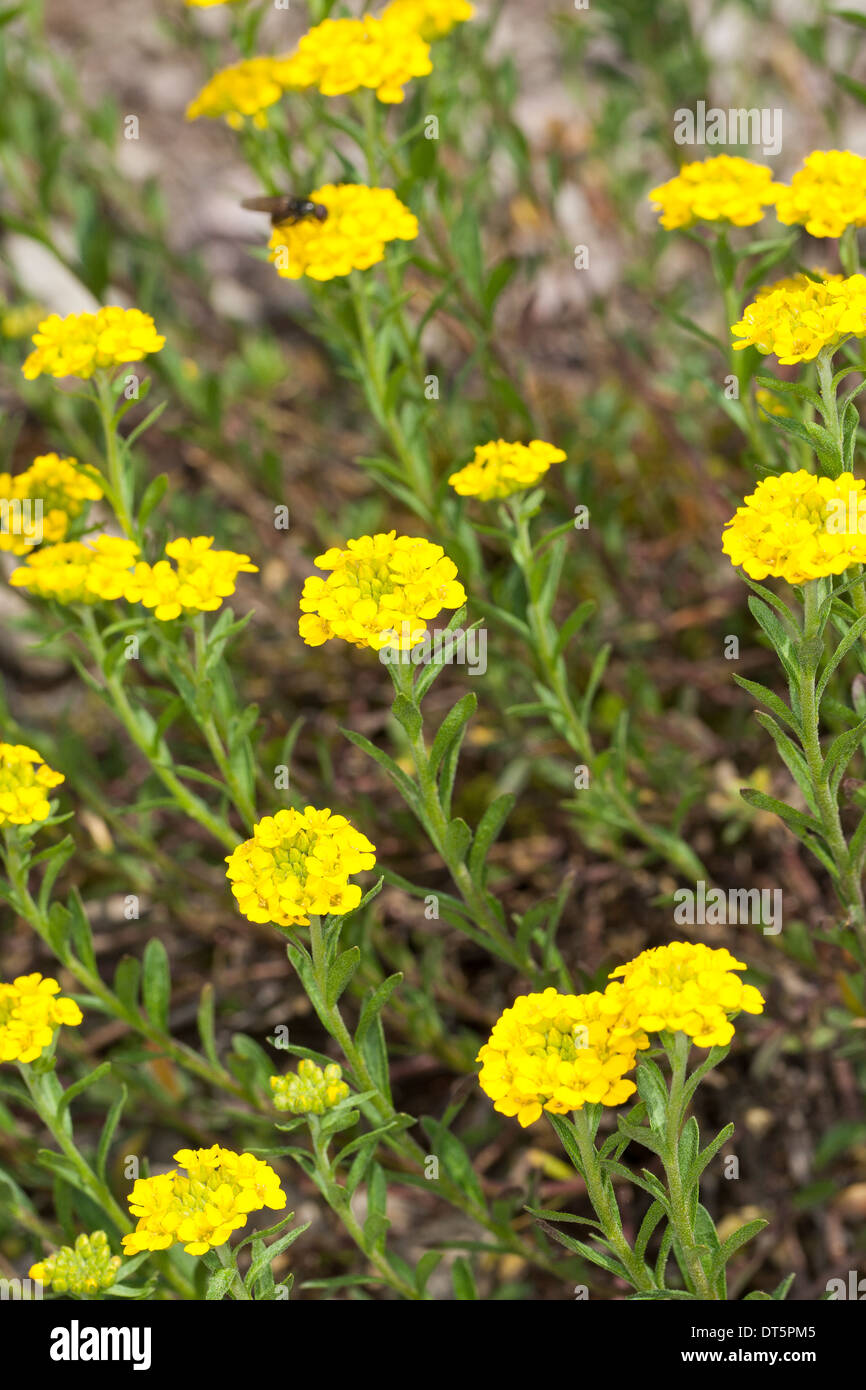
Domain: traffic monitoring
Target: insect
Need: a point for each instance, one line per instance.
(286, 210)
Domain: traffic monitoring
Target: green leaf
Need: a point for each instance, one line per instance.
(855, 631)
(458, 838)
(791, 757)
(463, 1280)
(376, 1224)
(795, 820)
(264, 1258)
(772, 701)
(407, 713)
(653, 1091)
(699, 1163)
(735, 1242)
(205, 1021)
(487, 833)
(580, 1247)
(153, 495)
(126, 981)
(425, 1267)
(374, 1006)
(451, 726)
(78, 1086)
(840, 753)
(455, 1160)
(779, 638)
(219, 1284)
(404, 784)
(341, 972)
(572, 625)
(156, 983)
(108, 1129)
(653, 1216)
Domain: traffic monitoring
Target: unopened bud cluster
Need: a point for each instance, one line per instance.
(311, 1091)
(86, 1268)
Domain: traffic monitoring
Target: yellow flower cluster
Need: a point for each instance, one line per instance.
(78, 571)
(795, 527)
(86, 1268)
(80, 344)
(299, 862)
(311, 1091)
(63, 486)
(796, 321)
(202, 579)
(25, 780)
(724, 189)
(499, 468)
(359, 224)
(685, 987)
(30, 1015)
(343, 55)
(799, 282)
(379, 593)
(432, 19)
(201, 1207)
(243, 90)
(558, 1052)
(108, 568)
(827, 195)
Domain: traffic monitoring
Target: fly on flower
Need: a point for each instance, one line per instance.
(285, 210)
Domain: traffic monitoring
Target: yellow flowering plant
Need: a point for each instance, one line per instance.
(275, 866)
(561, 1054)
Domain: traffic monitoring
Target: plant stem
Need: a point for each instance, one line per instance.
(681, 1218)
(605, 1205)
(850, 886)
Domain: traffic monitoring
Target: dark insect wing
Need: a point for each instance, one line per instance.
(285, 208)
(279, 207)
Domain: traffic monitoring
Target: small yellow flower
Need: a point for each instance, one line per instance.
(558, 1052)
(685, 987)
(202, 579)
(770, 402)
(244, 90)
(380, 592)
(796, 527)
(30, 1014)
(60, 487)
(499, 469)
(25, 780)
(86, 1268)
(360, 222)
(80, 344)
(91, 571)
(827, 195)
(20, 320)
(201, 1207)
(723, 189)
(343, 55)
(432, 19)
(799, 282)
(797, 319)
(311, 1091)
(299, 862)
